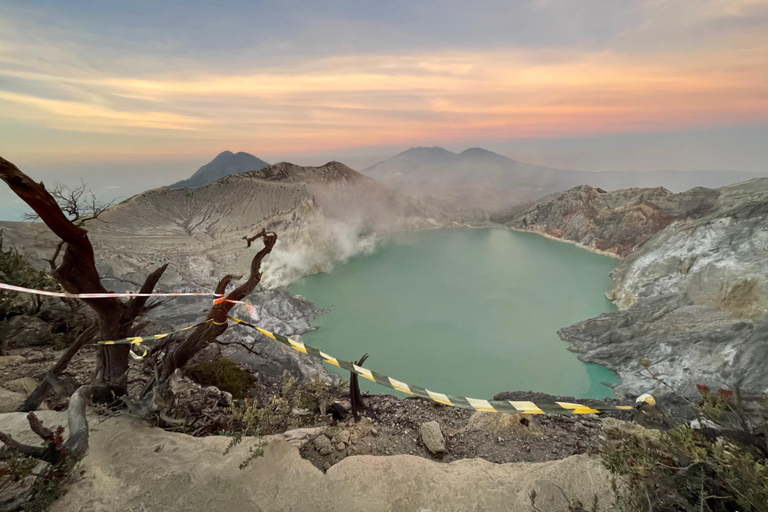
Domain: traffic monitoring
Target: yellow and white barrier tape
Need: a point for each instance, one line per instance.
(506, 406)
(136, 341)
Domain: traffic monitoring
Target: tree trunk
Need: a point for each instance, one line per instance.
(178, 355)
(77, 273)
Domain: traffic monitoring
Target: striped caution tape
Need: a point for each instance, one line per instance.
(136, 341)
(507, 406)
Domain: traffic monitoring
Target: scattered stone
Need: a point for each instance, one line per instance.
(10, 360)
(10, 401)
(432, 437)
(511, 424)
(24, 385)
(340, 447)
(298, 437)
(341, 437)
(323, 445)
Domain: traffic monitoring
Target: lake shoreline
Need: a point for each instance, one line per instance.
(426, 326)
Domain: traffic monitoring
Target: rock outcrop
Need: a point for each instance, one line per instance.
(616, 223)
(693, 298)
(131, 466)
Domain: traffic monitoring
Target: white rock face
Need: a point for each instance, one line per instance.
(722, 262)
(131, 466)
(694, 301)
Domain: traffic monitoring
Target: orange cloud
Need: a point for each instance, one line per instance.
(373, 100)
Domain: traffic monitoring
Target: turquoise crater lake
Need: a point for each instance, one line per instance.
(468, 312)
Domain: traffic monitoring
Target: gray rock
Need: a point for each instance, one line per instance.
(24, 385)
(323, 445)
(341, 437)
(692, 290)
(10, 401)
(28, 331)
(613, 222)
(432, 437)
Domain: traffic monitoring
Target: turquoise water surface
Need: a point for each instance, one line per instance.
(468, 312)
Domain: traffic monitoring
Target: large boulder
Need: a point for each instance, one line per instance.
(10, 401)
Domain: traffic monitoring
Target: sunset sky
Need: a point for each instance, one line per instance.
(97, 87)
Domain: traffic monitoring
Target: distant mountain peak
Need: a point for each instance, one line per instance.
(225, 164)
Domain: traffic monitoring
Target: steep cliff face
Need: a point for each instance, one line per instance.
(693, 299)
(617, 222)
(718, 259)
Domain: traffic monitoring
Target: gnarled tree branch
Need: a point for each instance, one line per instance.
(76, 444)
(77, 273)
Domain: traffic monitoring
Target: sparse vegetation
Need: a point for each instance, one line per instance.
(62, 320)
(224, 374)
(292, 408)
(720, 466)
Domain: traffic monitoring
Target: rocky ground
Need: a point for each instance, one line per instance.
(131, 467)
(390, 426)
(408, 427)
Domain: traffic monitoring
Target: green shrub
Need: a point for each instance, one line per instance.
(224, 374)
(292, 408)
(15, 269)
(720, 468)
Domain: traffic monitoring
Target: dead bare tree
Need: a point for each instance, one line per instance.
(77, 274)
(175, 354)
(116, 319)
(37, 396)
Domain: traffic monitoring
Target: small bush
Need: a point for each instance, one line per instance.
(224, 374)
(720, 468)
(292, 408)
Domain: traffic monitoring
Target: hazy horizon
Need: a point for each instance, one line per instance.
(131, 96)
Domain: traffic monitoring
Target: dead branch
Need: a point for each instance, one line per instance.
(179, 354)
(251, 239)
(34, 400)
(56, 450)
(250, 349)
(77, 271)
(135, 306)
(79, 203)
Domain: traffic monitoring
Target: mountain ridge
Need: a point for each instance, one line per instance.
(224, 164)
